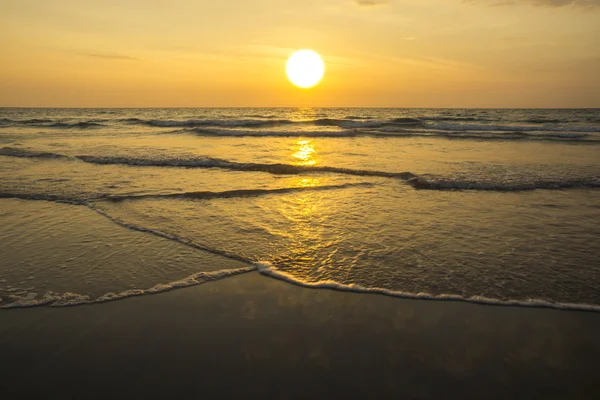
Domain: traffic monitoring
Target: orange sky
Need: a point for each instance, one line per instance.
(198, 53)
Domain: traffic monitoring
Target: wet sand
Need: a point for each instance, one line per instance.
(251, 336)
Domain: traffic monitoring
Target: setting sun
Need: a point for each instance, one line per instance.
(305, 68)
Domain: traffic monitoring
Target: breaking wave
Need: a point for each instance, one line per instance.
(207, 195)
(457, 126)
(49, 123)
(207, 162)
(423, 183)
(74, 299)
(266, 268)
(209, 122)
(511, 128)
(22, 153)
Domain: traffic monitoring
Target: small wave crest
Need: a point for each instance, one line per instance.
(511, 128)
(206, 162)
(456, 119)
(263, 122)
(87, 199)
(266, 268)
(80, 125)
(191, 123)
(51, 123)
(43, 197)
(23, 153)
(265, 133)
(424, 183)
(74, 299)
(567, 137)
(207, 195)
(383, 130)
(357, 117)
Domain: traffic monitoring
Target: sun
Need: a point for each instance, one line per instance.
(305, 68)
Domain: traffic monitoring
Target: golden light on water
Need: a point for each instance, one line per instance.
(305, 68)
(305, 152)
(308, 182)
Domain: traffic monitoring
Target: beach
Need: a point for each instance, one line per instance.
(326, 199)
(252, 336)
(296, 253)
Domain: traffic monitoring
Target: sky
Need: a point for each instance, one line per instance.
(232, 53)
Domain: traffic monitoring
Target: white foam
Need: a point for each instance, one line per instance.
(74, 299)
(266, 268)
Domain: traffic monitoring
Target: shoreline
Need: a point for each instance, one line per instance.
(264, 268)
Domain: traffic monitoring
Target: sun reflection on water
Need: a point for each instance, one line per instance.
(304, 152)
(307, 182)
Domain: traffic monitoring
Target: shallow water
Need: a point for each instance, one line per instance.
(495, 206)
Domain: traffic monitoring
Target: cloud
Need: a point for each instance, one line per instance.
(368, 3)
(544, 3)
(110, 56)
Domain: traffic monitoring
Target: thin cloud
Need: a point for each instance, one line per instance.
(370, 3)
(109, 56)
(541, 3)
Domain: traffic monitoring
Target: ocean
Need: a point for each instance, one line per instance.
(492, 206)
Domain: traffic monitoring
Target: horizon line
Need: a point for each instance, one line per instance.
(301, 107)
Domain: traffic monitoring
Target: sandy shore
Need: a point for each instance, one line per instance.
(254, 337)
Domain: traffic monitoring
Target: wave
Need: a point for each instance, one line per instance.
(261, 116)
(267, 269)
(545, 121)
(81, 125)
(347, 122)
(88, 199)
(423, 183)
(206, 162)
(456, 119)
(358, 117)
(511, 128)
(405, 120)
(26, 121)
(22, 153)
(191, 123)
(74, 299)
(43, 197)
(349, 125)
(263, 133)
(50, 123)
(207, 195)
(185, 242)
(567, 137)
(398, 132)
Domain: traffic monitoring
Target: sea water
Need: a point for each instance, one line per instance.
(485, 205)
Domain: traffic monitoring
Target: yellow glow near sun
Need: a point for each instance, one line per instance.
(305, 68)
